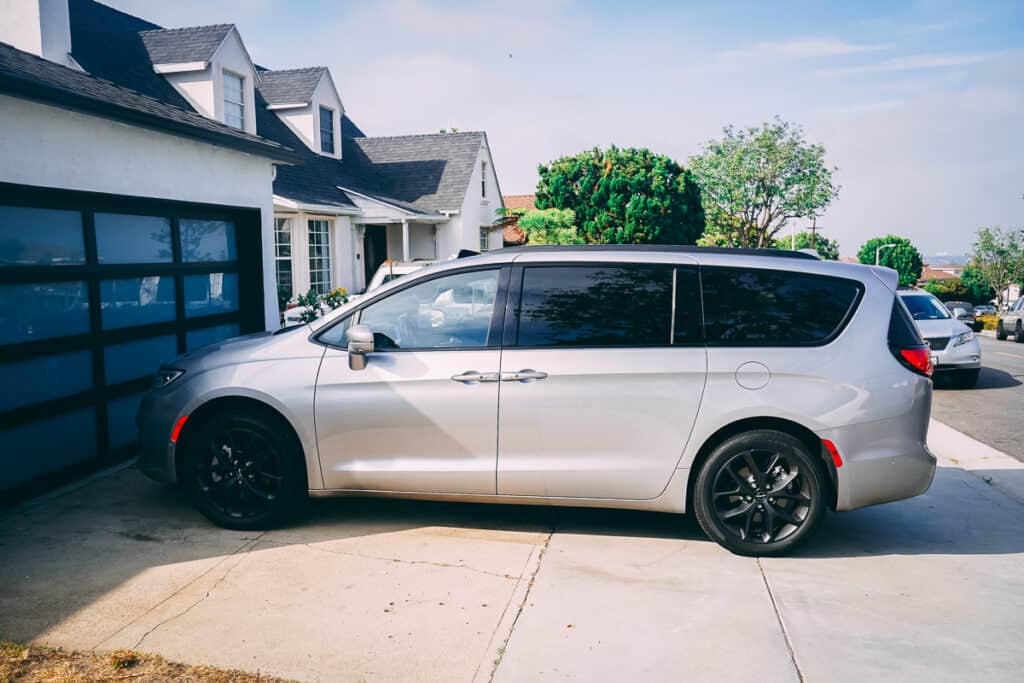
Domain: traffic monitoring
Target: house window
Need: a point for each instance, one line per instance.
(283, 255)
(485, 239)
(320, 255)
(326, 130)
(234, 100)
(483, 179)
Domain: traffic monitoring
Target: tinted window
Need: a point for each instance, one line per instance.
(754, 307)
(449, 312)
(903, 333)
(607, 305)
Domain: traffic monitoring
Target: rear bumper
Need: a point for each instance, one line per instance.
(885, 460)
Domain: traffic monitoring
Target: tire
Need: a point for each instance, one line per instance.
(739, 522)
(1000, 332)
(1019, 334)
(244, 470)
(966, 379)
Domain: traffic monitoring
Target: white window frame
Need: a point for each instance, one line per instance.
(225, 74)
(320, 131)
(283, 226)
(483, 179)
(485, 239)
(320, 265)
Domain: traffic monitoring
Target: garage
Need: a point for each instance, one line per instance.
(96, 290)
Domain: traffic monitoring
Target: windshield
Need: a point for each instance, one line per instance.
(923, 307)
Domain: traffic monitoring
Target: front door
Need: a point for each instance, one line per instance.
(422, 415)
(375, 249)
(602, 375)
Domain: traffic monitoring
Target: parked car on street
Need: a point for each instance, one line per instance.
(392, 270)
(984, 309)
(757, 388)
(964, 312)
(956, 352)
(1012, 322)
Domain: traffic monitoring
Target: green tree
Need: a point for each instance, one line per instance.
(754, 180)
(999, 258)
(826, 248)
(550, 226)
(624, 196)
(948, 290)
(979, 291)
(904, 258)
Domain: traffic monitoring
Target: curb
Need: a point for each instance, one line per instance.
(997, 469)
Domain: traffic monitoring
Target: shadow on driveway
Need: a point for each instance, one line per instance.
(93, 551)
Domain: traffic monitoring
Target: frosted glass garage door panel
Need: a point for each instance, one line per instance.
(122, 238)
(195, 339)
(42, 310)
(207, 241)
(137, 301)
(42, 379)
(136, 359)
(210, 294)
(121, 420)
(40, 237)
(39, 448)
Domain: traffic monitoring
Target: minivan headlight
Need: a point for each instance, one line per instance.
(165, 376)
(962, 339)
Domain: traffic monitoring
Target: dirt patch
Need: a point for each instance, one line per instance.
(30, 663)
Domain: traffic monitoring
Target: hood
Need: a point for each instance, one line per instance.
(247, 348)
(950, 327)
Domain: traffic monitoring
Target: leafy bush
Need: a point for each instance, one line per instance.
(988, 321)
(550, 226)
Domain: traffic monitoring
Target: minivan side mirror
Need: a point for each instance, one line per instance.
(360, 343)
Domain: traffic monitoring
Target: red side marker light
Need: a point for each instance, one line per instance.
(834, 452)
(176, 432)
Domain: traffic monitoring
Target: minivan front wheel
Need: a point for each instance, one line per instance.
(243, 471)
(760, 493)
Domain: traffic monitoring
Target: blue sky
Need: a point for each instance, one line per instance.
(919, 104)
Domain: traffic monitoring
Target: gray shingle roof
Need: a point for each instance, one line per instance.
(290, 86)
(32, 77)
(430, 172)
(178, 45)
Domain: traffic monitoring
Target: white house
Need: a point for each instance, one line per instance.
(156, 187)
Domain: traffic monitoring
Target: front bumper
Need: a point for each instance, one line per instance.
(155, 420)
(964, 357)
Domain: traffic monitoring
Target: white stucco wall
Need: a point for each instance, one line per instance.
(477, 210)
(41, 27)
(51, 147)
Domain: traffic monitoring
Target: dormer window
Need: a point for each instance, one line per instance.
(234, 100)
(326, 130)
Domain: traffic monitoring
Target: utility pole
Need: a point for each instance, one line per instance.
(814, 227)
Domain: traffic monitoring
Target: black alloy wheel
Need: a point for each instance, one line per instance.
(760, 493)
(243, 471)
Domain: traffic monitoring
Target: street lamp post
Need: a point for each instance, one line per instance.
(878, 251)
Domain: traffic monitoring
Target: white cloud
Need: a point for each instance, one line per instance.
(912, 63)
(801, 48)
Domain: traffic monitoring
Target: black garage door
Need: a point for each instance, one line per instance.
(95, 292)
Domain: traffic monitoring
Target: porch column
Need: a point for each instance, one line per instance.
(405, 240)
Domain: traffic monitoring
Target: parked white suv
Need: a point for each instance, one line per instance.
(956, 352)
(755, 388)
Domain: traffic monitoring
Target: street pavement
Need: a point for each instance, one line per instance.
(993, 411)
(926, 589)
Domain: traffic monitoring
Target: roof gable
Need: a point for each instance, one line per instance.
(184, 45)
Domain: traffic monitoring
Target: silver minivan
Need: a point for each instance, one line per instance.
(757, 388)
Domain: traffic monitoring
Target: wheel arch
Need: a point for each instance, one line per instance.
(806, 436)
(221, 404)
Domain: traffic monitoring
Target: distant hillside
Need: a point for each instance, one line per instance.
(936, 259)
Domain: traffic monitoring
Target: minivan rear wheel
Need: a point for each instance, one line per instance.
(243, 471)
(760, 493)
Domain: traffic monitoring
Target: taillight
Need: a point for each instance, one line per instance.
(918, 359)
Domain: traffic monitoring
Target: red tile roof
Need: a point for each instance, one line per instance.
(520, 201)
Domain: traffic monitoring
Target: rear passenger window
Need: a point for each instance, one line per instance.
(754, 307)
(605, 305)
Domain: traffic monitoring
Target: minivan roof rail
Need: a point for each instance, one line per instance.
(682, 248)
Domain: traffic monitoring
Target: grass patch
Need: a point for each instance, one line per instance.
(33, 663)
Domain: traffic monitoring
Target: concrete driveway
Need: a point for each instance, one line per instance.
(385, 590)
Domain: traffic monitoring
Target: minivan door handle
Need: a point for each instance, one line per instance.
(526, 375)
(474, 377)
